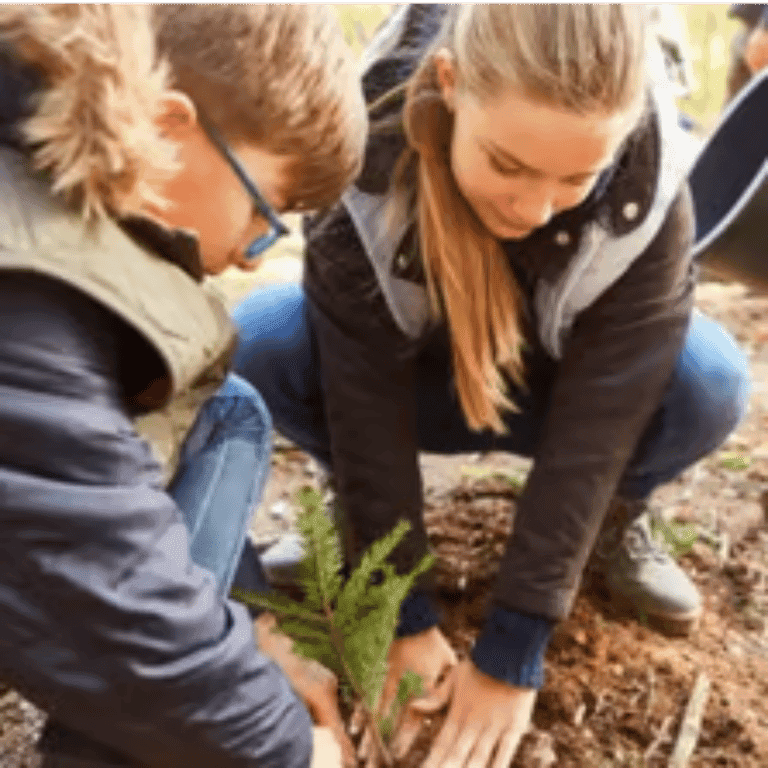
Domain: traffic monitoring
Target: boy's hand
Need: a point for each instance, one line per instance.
(326, 752)
(314, 683)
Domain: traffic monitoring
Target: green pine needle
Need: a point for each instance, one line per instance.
(347, 626)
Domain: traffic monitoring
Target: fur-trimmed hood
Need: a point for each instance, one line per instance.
(80, 87)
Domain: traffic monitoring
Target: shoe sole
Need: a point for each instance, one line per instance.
(675, 625)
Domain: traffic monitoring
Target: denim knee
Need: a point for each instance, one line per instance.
(707, 397)
(716, 378)
(222, 470)
(235, 410)
(253, 411)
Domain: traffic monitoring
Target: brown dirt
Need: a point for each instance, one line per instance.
(615, 689)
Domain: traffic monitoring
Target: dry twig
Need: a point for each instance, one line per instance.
(690, 727)
(662, 735)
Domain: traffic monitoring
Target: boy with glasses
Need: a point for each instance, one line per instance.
(117, 198)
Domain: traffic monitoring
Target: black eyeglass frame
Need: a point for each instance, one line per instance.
(276, 227)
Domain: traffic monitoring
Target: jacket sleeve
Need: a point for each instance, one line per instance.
(616, 363)
(104, 620)
(368, 381)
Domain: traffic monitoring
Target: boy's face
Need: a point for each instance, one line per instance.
(207, 198)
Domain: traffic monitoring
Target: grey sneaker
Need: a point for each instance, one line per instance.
(281, 559)
(640, 574)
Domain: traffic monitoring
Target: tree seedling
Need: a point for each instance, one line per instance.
(347, 625)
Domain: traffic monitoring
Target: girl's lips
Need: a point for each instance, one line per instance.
(512, 224)
(514, 230)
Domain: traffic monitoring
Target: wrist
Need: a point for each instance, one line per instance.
(417, 613)
(511, 647)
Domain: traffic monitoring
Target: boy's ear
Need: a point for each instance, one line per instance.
(177, 115)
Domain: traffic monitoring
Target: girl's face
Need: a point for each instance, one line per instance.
(519, 162)
(207, 198)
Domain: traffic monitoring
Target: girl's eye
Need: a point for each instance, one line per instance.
(579, 182)
(503, 170)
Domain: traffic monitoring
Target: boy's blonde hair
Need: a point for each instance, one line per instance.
(278, 76)
(587, 59)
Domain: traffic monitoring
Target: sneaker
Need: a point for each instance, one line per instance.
(640, 574)
(281, 559)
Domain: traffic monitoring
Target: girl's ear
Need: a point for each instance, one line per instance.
(177, 115)
(446, 77)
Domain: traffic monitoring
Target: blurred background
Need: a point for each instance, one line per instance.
(709, 32)
(708, 28)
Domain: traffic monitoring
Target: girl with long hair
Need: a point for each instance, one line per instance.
(511, 272)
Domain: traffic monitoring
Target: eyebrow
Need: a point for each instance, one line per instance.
(508, 157)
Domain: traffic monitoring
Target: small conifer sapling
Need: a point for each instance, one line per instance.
(347, 625)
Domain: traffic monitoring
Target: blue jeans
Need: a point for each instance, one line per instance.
(223, 467)
(706, 397)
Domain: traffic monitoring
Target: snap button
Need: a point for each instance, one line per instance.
(562, 238)
(630, 211)
(401, 261)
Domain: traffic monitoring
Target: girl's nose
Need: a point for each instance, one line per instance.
(534, 210)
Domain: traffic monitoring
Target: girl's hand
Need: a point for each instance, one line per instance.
(430, 656)
(314, 683)
(485, 722)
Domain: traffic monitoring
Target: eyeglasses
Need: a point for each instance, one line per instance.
(276, 227)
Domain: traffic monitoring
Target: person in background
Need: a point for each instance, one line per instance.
(749, 47)
(142, 148)
(510, 272)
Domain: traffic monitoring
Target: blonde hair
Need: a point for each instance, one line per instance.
(278, 76)
(583, 58)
